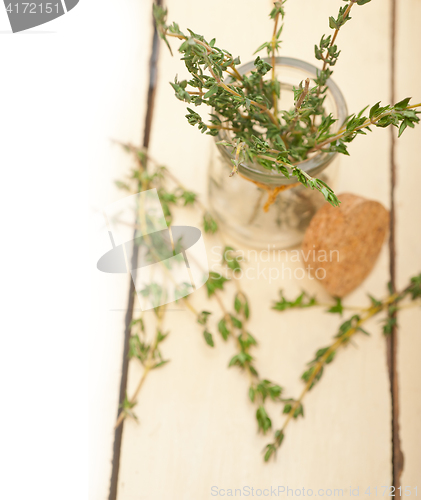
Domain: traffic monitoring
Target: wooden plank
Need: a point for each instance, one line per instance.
(408, 239)
(197, 427)
(119, 89)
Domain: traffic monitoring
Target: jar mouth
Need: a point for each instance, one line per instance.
(313, 165)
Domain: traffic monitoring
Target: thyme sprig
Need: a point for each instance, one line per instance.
(327, 51)
(273, 47)
(245, 106)
(148, 354)
(145, 175)
(324, 356)
(233, 323)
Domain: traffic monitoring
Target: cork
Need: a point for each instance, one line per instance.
(345, 242)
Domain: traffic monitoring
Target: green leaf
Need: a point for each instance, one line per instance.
(189, 197)
(275, 392)
(270, 450)
(236, 322)
(222, 328)
(374, 110)
(374, 302)
(127, 404)
(287, 408)
(253, 370)
(138, 321)
(279, 437)
(208, 338)
(246, 340)
(209, 223)
(415, 287)
(333, 24)
(211, 91)
(122, 185)
(240, 359)
(230, 259)
(402, 104)
(389, 325)
(263, 420)
(202, 317)
(262, 66)
(215, 282)
(246, 309)
(402, 128)
(299, 410)
(161, 337)
(330, 357)
(337, 308)
(363, 331)
(261, 47)
(161, 363)
(302, 301)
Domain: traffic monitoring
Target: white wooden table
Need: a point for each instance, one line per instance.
(197, 427)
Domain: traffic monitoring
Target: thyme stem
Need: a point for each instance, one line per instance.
(366, 124)
(332, 42)
(325, 356)
(274, 40)
(148, 367)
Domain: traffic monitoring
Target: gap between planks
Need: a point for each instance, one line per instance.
(392, 340)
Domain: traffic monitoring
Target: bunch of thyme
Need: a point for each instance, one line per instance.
(246, 106)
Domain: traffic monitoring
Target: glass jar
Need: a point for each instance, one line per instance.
(237, 202)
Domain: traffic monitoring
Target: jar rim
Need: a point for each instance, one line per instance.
(312, 165)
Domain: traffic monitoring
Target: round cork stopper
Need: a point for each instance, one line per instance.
(345, 241)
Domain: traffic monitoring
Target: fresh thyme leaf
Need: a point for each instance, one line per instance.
(215, 282)
(223, 329)
(337, 308)
(208, 338)
(302, 301)
(263, 420)
(209, 223)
